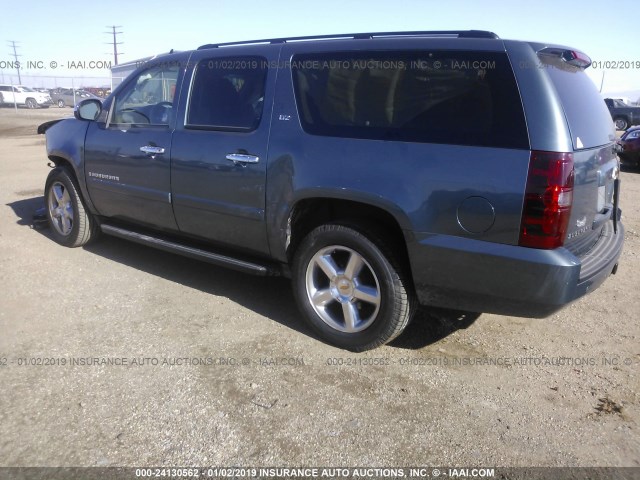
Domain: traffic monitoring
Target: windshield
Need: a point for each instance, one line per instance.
(24, 89)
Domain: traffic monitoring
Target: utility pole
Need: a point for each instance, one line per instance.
(115, 43)
(12, 44)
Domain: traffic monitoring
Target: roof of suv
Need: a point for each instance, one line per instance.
(363, 36)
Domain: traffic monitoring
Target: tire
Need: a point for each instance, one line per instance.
(362, 297)
(31, 103)
(70, 223)
(61, 104)
(621, 123)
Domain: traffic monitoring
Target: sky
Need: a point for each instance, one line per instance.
(55, 36)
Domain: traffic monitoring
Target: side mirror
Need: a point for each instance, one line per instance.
(88, 109)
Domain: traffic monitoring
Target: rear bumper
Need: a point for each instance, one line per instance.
(472, 275)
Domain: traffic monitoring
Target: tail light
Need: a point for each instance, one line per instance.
(547, 201)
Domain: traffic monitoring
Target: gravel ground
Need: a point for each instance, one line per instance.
(217, 368)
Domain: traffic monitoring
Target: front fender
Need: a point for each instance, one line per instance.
(43, 127)
(65, 146)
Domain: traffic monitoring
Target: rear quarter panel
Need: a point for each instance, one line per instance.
(422, 185)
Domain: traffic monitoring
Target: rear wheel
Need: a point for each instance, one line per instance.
(350, 287)
(61, 103)
(621, 123)
(71, 224)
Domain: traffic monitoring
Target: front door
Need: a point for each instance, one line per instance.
(128, 156)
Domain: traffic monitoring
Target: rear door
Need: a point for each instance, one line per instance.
(219, 152)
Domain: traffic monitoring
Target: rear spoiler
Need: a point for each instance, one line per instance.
(575, 58)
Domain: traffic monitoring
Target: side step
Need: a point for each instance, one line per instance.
(187, 251)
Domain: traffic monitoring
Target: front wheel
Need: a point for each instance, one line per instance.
(71, 224)
(61, 104)
(31, 103)
(350, 287)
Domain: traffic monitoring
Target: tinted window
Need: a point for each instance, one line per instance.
(148, 98)
(227, 93)
(588, 116)
(438, 97)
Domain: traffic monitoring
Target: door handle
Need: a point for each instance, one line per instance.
(152, 150)
(242, 158)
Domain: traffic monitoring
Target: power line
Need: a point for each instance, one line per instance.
(12, 44)
(115, 42)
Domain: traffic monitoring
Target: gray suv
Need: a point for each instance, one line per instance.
(379, 171)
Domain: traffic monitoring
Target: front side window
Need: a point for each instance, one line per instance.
(227, 94)
(149, 98)
(465, 98)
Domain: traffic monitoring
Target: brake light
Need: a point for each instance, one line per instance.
(572, 57)
(547, 201)
(575, 58)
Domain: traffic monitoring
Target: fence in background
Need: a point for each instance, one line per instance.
(98, 85)
(55, 81)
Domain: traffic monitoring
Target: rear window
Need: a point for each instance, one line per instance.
(465, 98)
(587, 114)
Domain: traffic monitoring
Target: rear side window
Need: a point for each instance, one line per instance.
(464, 98)
(589, 119)
(227, 93)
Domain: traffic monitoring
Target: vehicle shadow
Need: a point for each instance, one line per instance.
(430, 325)
(629, 167)
(24, 209)
(270, 297)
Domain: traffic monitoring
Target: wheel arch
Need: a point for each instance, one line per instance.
(60, 161)
(311, 212)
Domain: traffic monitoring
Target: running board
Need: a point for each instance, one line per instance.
(187, 251)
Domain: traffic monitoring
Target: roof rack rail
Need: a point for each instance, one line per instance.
(361, 36)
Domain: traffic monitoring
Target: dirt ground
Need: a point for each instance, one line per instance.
(217, 368)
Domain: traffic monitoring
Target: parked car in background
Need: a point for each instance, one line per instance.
(10, 94)
(68, 97)
(101, 92)
(378, 171)
(629, 146)
(624, 116)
